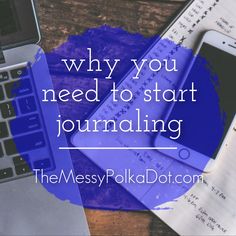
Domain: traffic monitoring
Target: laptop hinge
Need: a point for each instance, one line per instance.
(2, 58)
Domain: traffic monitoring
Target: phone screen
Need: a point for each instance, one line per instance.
(206, 122)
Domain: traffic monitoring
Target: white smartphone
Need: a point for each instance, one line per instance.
(220, 53)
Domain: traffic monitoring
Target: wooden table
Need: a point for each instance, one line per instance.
(60, 18)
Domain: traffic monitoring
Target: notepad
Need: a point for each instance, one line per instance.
(209, 208)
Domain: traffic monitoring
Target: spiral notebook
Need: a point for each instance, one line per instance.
(209, 208)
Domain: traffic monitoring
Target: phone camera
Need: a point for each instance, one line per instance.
(224, 42)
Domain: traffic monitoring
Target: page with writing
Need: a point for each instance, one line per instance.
(207, 208)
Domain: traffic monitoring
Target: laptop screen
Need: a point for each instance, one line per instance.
(18, 25)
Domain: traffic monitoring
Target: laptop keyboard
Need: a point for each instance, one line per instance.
(21, 125)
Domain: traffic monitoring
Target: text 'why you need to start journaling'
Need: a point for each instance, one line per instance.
(140, 122)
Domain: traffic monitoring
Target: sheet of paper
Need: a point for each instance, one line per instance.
(209, 208)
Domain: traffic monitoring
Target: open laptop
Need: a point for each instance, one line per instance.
(27, 208)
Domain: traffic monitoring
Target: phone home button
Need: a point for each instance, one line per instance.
(184, 154)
